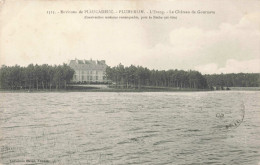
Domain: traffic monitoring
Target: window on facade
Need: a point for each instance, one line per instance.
(91, 72)
(82, 78)
(90, 77)
(96, 77)
(96, 72)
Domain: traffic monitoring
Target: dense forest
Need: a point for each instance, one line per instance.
(234, 80)
(138, 77)
(57, 77)
(35, 77)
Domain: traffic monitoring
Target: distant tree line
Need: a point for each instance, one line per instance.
(49, 77)
(138, 77)
(35, 76)
(234, 80)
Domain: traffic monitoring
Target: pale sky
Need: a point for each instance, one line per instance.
(224, 42)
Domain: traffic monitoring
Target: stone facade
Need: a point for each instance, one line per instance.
(88, 70)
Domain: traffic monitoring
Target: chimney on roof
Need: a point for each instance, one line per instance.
(103, 61)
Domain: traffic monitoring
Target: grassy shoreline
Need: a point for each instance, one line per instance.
(93, 89)
(103, 90)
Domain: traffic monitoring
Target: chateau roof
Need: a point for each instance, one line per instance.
(87, 64)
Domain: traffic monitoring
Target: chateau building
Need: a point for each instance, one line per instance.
(88, 70)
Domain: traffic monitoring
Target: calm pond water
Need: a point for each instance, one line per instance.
(130, 128)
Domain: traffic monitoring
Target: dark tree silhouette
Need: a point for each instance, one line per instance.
(138, 77)
(233, 80)
(35, 77)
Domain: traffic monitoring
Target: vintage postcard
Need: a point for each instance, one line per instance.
(129, 82)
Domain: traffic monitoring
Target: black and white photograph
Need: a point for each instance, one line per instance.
(120, 82)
